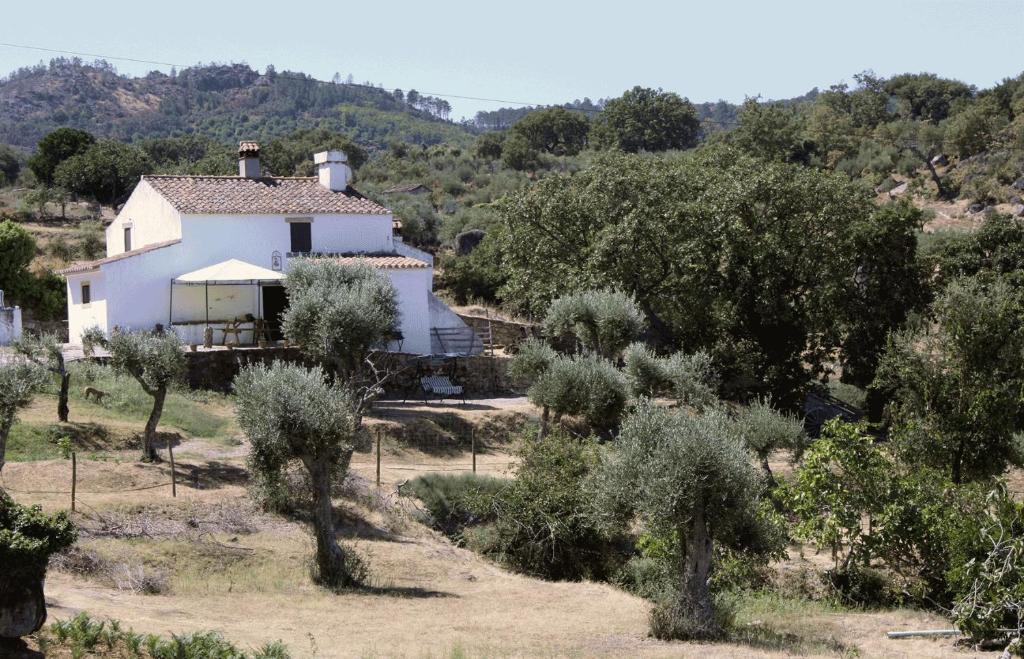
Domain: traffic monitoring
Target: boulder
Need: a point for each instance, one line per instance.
(1018, 210)
(1018, 184)
(976, 207)
(467, 241)
(888, 184)
(22, 606)
(940, 160)
(1015, 199)
(900, 189)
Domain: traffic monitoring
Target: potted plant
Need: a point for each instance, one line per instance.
(27, 539)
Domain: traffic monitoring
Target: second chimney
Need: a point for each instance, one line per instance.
(333, 170)
(249, 159)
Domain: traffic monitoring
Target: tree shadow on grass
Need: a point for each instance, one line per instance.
(408, 592)
(765, 637)
(349, 525)
(209, 475)
(445, 433)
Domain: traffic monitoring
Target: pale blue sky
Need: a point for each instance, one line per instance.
(544, 51)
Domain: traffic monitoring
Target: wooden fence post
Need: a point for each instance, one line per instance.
(378, 458)
(74, 479)
(174, 480)
(472, 443)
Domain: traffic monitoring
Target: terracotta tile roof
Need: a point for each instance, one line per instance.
(237, 195)
(86, 266)
(384, 262)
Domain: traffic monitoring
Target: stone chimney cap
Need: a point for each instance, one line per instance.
(248, 149)
(329, 156)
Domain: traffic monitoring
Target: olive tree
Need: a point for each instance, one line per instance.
(691, 476)
(581, 385)
(765, 430)
(156, 362)
(957, 381)
(291, 413)
(47, 352)
(19, 381)
(576, 385)
(603, 321)
(338, 313)
(690, 379)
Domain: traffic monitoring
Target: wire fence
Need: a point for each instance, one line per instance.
(379, 461)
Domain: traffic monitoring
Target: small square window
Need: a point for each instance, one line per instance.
(86, 293)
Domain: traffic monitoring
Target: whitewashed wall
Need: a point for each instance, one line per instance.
(152, 218)
(10, 325)
(254, 238)
(413, 288)
(134, 293)
(83, 316)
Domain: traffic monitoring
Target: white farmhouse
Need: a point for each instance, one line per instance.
(191, 252)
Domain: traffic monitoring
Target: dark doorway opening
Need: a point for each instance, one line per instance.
(275, 301)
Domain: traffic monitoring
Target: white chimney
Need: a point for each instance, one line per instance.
(332, 170)
(249, 159)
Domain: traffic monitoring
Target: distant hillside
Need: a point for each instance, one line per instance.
(224, 102)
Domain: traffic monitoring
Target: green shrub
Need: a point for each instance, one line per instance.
(587, 386)
(691, 379)
(455, 501)
(990, 586)
(543, 524)
(84, 634)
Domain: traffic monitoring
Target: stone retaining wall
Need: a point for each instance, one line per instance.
(482, 375)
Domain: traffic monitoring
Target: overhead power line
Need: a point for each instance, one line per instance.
(309, 79)
(280, 75)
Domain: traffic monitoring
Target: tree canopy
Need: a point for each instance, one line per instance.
(755, 262)
(556, 130)
(957, 381)
(337, 313)
(156, 362)
(106, 171)
(645, 119)
(19, 381)
(17, 249)
(55, 148)
(687, 476)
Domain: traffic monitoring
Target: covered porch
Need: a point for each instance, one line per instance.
(240, 303)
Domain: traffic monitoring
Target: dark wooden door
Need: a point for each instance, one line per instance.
(275, 301)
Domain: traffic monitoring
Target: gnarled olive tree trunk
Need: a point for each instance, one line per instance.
(63, 411)
(690, 614)
(333, 563)
(149, 437)
(5, 429)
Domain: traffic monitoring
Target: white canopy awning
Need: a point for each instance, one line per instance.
(231, 271)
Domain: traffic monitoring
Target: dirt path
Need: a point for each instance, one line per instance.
(438, 600)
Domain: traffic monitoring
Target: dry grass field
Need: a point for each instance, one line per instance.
(208, 559)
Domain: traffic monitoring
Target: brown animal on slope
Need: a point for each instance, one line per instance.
(95, 393)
